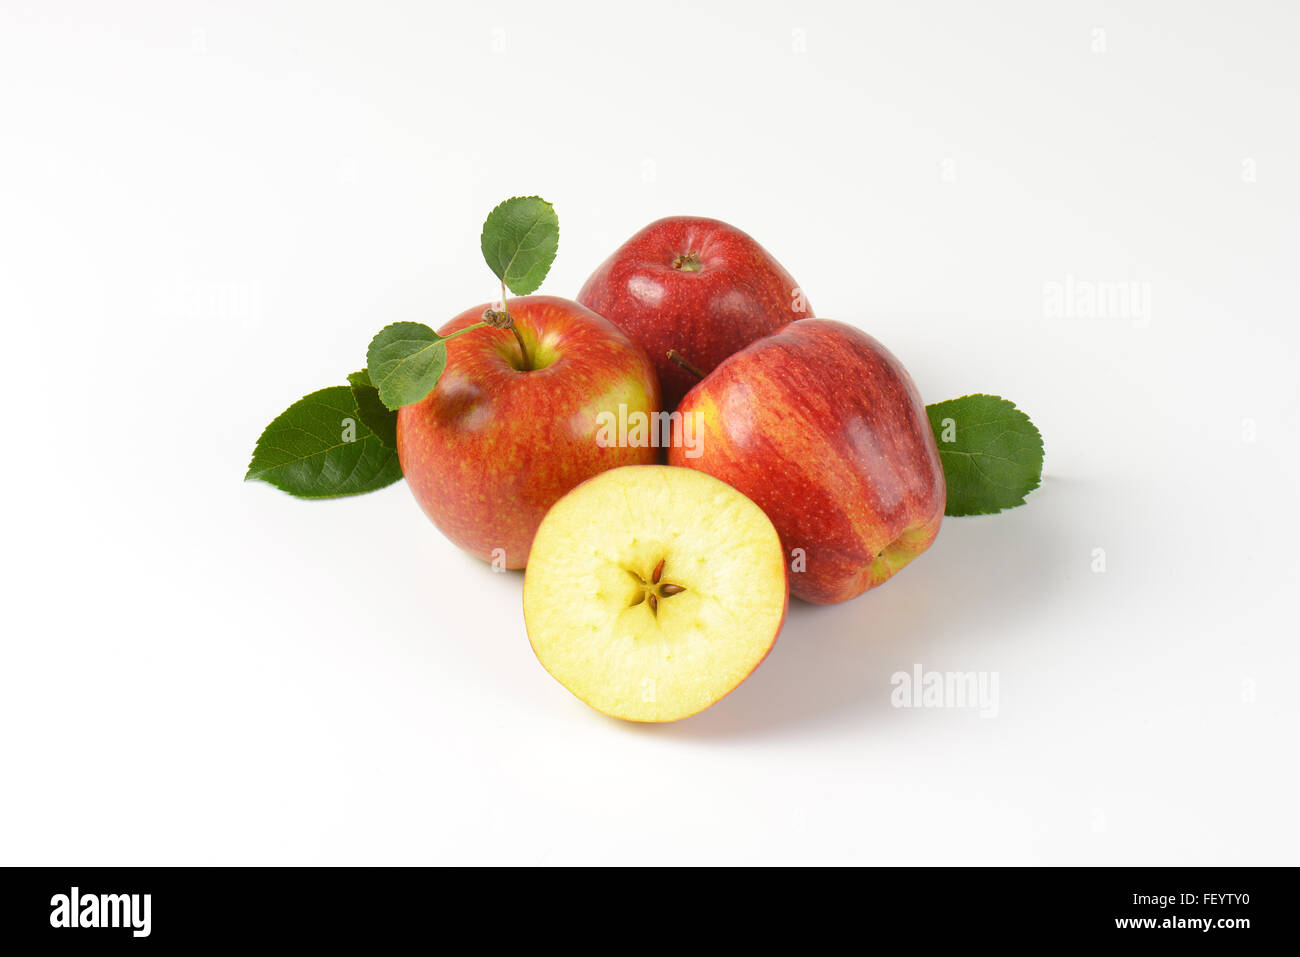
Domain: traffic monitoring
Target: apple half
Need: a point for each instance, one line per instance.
(652, 591)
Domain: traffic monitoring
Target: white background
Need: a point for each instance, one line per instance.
(207, 209)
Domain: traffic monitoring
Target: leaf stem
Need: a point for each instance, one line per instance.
(461, 332)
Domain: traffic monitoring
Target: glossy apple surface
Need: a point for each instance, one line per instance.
(697, 286)
(824, 429)
(653, 591)
(494, 445)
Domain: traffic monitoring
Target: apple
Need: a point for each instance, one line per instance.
(822, 427)
(496, 442)
(696, 286)
(653, 591)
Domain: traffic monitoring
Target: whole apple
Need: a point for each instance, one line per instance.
(822, 427)
(696, 286)
(499, 440)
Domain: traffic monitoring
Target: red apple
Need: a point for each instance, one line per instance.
(496, 444)
(697, 286)
(825, 430)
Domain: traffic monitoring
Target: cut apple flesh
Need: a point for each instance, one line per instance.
(652, 591)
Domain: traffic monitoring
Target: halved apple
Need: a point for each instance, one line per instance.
(652, 591)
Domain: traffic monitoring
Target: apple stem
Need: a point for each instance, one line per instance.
(523, 349)
(503, 320)
(677, 357)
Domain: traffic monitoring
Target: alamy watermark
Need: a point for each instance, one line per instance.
(955, 690)
(1074, 298)
(227, 302)
(76, 909)
(640, 430)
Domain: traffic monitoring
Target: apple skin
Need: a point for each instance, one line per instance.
(493, 447)
(738, 294)
(824, 429)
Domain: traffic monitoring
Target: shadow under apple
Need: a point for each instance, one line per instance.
(832, 664)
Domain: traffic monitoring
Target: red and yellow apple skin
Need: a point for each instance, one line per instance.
(697, 286)
(493, 446)
(823, 428)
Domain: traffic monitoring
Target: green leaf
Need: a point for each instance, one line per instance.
(320, 448)
(404, 362)
(519, 241)
(380, 419)
(992, 454)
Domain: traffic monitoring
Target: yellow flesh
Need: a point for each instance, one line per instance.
(582, 579)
